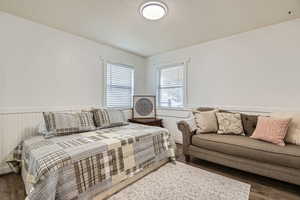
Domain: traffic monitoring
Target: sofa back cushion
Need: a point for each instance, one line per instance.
(249, 123)
(271, 129)
(204, 109)
(293, 134)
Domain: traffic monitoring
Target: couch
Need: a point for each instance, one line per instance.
(242, 152)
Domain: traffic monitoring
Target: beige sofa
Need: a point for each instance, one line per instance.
(243, 152)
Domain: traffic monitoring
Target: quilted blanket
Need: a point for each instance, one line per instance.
(80, 166)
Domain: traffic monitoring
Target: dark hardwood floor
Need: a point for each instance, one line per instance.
(262, 188)
(11, 187)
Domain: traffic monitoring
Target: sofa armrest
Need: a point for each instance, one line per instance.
(188, 129)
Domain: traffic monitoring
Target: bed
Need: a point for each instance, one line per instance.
(95, 164)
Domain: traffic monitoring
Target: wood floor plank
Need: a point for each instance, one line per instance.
(11, 187)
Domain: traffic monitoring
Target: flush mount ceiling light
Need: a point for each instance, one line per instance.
(153, 10)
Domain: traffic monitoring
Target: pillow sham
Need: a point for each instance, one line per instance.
(271, 129)
(206, 121)
(230, 123)
(59, 124)
(105, 118)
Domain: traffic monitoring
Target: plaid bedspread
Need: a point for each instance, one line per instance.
(83, 165)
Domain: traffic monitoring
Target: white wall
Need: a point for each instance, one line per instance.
(43, 67)
(259, 69)
(256, 71)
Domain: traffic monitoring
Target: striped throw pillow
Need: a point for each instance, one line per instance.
(86, 121)
(59, 124)
(105, 118)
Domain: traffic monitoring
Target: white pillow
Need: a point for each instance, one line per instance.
(206, 121)
(293, 134)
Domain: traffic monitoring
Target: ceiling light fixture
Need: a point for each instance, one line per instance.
(153, 10)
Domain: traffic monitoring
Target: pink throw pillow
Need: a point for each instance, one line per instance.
(271, 130)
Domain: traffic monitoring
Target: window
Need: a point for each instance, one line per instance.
(119, 85)
(171, 87)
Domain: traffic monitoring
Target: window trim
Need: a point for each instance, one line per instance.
(158, 78)
(105, 64)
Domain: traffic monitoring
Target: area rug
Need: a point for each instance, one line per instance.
(183, 182)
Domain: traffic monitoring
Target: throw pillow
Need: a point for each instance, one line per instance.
(206, 121)
(293, 134)
(86, 121)
(271, 129)
(230, 123)
(101, 117)
(59, 124)
(105, 118)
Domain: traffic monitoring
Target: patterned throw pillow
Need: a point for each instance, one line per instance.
(105, 118)
(59, 124)
(293, 134)
(101, 117)
(86, 121)
(230, 123)
(271, 129)
(206, 121)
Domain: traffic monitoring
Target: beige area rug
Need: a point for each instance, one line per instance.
(184, 182)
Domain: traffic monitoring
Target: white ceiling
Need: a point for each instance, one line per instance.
(118, 23)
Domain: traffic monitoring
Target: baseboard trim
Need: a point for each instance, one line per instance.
(5, 169)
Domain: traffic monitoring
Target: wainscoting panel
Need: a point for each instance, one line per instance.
(171, 117)
(17, 126)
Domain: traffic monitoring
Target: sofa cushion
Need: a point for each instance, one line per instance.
(249, 123)
(204, 109)
(246, 147)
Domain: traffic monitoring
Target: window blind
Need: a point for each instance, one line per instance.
(119, 85)
(171, 86)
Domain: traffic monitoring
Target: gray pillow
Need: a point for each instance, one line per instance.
(58, 123)
(105, 118)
